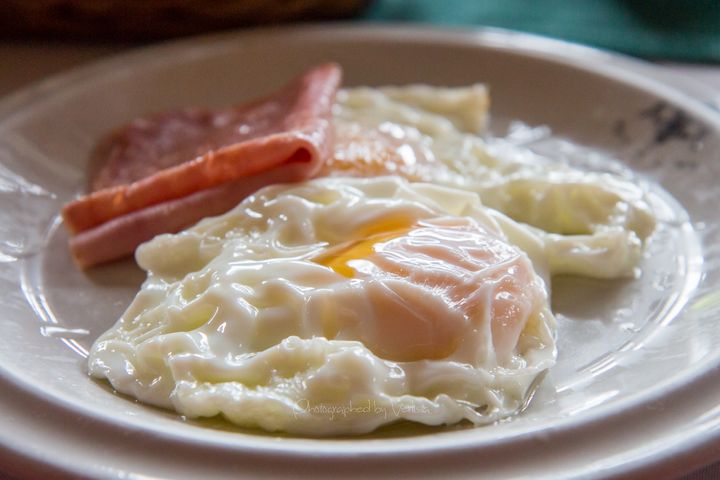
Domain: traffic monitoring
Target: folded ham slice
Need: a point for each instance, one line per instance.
(164, 173)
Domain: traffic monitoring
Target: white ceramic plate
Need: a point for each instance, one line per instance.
(638, 378)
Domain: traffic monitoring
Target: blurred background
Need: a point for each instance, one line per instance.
(42, 37)
(684, 30)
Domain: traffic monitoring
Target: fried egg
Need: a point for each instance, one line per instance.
(592, 223)
(333, 307)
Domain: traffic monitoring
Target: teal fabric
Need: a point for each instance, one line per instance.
(687, 30)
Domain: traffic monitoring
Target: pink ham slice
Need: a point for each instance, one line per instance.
(164, 173)
(119, 237)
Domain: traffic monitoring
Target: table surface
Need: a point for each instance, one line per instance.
(25, 62)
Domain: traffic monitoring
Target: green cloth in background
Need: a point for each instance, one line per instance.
(687, 30)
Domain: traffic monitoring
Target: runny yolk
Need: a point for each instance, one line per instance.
(436, 285)
(340, 257)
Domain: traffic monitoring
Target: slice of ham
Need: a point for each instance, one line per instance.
(119, 237)
(164, 173)
(173, 155)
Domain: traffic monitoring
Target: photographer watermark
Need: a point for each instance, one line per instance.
(365, 407)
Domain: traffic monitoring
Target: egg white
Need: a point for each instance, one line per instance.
(233, 317)
(593, 224)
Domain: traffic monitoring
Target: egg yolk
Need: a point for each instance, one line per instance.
(372, 153)
(340, 257)
(432, 283)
